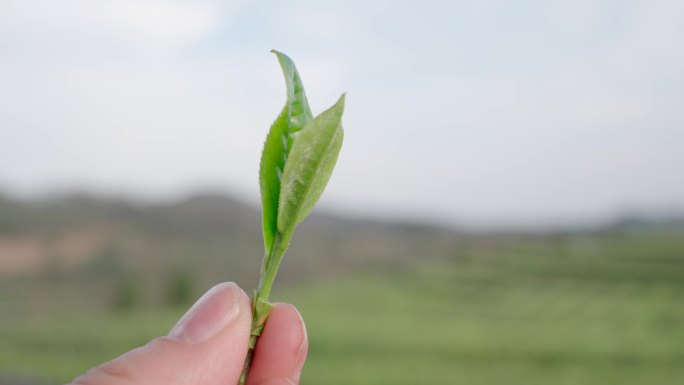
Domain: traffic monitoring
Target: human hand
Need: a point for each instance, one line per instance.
(208, 347)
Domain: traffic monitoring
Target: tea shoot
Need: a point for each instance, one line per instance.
(297, 161)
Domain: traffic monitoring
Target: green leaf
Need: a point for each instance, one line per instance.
(309, 166)
(300, 112)
(294, 116)
(270, 170)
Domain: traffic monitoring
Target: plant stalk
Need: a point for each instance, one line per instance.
(261, 308)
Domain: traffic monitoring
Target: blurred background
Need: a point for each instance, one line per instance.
(508, 207)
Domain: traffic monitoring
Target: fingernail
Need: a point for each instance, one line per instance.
(278, 381)
(213, 312)
(303, 346)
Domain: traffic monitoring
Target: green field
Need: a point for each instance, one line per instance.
(547, 310)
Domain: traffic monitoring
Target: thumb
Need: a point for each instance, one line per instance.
(207, 346)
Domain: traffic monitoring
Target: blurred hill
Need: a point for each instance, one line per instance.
(108, 245)
(211, 237)
(219, 237)
(85, 278)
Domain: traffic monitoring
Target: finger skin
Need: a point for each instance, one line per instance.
(281, 350)
(169, 361)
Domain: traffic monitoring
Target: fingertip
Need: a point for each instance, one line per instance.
(282, 347)
(288, 319)
(296, 321)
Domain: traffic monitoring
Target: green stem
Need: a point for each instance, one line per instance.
(260, 305)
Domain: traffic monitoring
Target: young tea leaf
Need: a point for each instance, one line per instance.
(300, 112)
(308, 167)
(270, 170)
(294, 116)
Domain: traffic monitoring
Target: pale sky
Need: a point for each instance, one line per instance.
(480, 113)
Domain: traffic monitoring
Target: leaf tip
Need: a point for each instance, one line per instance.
(340, 102)
(281, 56)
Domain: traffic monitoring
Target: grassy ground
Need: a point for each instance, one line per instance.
(582, 310)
